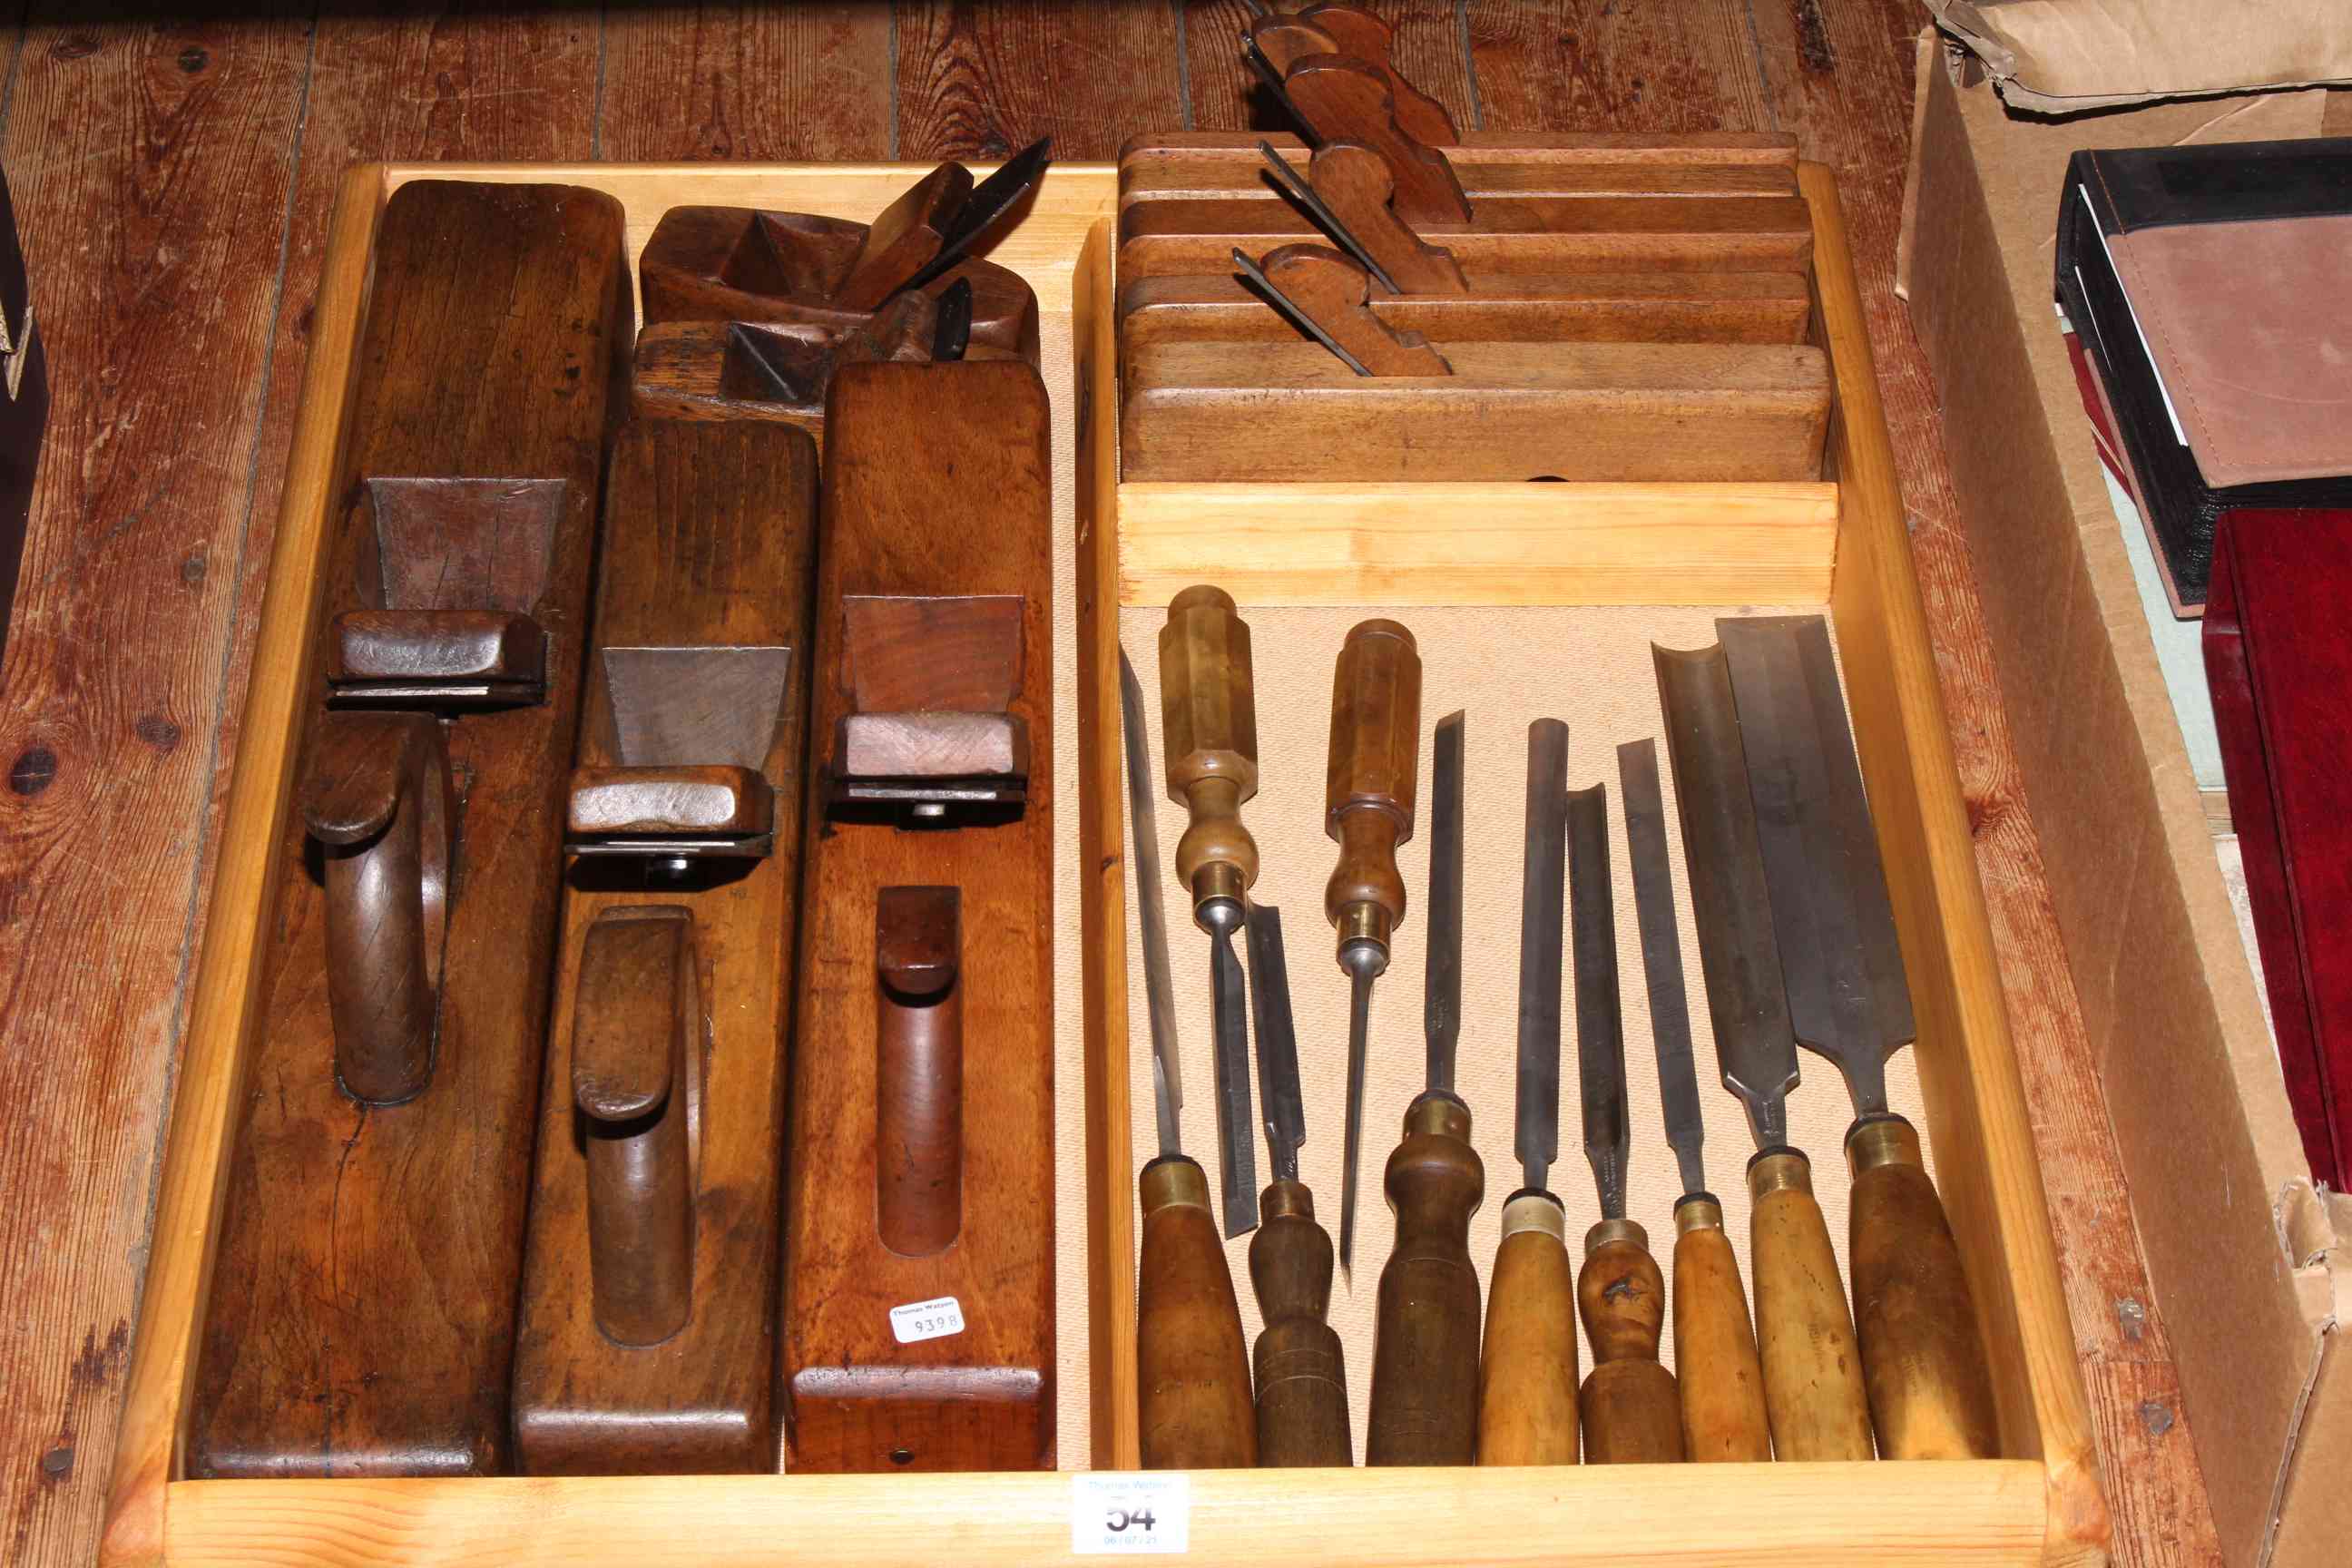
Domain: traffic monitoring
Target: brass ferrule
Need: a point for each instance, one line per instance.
(1697, 1213)
(1610, 1230)
(1882, 1141)
(1782, 1170)
(1174, 1181)
(1534, 1211)
(1218, 880)
(1440, 1114)
(1365, 922)
(1281, 1200)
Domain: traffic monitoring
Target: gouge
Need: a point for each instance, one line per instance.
(1715, 1347)
(1813, 1369)
(1192, 1371)
(1208, 711)
(1930, 1394)
(1425, 1344)
(1527, 1382)
(1302, 1378)
(1368, 780)
(1631, 1411)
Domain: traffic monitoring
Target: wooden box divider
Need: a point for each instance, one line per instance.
(1841, 543)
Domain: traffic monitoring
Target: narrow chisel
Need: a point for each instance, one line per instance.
(1716, 1365)
(1631, 1413)
(1193, 1367)
(1425, 1344)
(1813, 1369)
(1526, 1387)
(1302, 1378)
(1930, 1393)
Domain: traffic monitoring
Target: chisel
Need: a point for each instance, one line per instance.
(1813, 1395)
(1930, 1393)
(1714, 1345)
(1192, 1371)
(1302, 1378)
(1426, 1343)
(1208, 712)
(1631, 1413)
(1369, 781)
(1527, 1384)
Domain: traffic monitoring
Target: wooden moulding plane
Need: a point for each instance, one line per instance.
(647, 1340)
(1816, 542)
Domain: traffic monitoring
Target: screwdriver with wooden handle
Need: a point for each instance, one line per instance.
(1426, 1343)
(1632, 1413)
(1804, 1337)
(1526, 1381)
(1715, 1363)
(1302, 1377)
(1192, 1371)
(1369, 782)
(1208, 711)
(1930, 1390)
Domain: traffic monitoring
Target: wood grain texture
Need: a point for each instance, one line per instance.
(1518, 164)
(710, 540)
(1581, 64)
(746, 82)
(983, 81)
(1225, 94)
(936, 483)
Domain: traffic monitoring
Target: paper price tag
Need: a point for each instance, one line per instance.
(1128, 1513)
(933, 1319)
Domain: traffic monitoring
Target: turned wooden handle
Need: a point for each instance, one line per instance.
(1526, 1381)
(1302, 1376)
(1716, 1363)
(1426, 1343)
(379, 803)
(1369, 777)
(637, 1016)
(919, 1077)
(1347, 100)
(1208, 714)
(1931, 1391)
(1192, 1369)
(1633, 1415)
(1804, 1337)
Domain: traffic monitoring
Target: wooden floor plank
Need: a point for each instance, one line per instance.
(766, 83)
(1616, 64)
(980, 81)
(150, 165)
(1839, 78)
(1225, 95)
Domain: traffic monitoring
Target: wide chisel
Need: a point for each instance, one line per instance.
(1193, 1367)
(1715, 1363)
(1527, 1384)
(1813, 1369)
(1631, 1413)
(1930, 1393)
(1369, 781)
(1208, 715)
(1302, 1378)
(1425, 1344)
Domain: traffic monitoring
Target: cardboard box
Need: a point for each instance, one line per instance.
(2251, 1264)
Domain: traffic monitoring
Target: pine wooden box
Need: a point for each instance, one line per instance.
(1840, 544)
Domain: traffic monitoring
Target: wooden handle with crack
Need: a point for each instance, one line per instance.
(1633, 1415)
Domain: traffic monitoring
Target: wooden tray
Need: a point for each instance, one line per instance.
(1840, 543)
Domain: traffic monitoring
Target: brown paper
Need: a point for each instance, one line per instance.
(2060, 56)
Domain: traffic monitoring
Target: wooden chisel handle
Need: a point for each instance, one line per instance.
(1302, 1376)
(1370, 778)
(1208, 714)
(1715, 1363)
(1804, 1337)
(1931, 1391)
(1426, 1343)
(1633, 1416)
(1192, 1369)
(1527, 1384)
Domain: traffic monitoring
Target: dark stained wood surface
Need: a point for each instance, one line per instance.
(172, 182)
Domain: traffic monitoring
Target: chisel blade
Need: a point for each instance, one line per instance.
(1847, 996)
(1158, 985)
(1236, 1151)
(1543, 891)
(1755, 1045)
(1662, 957)
(1292, 312)
(989, 200)
(1282, 1104)
(1441, 995)
(1599, 1015)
